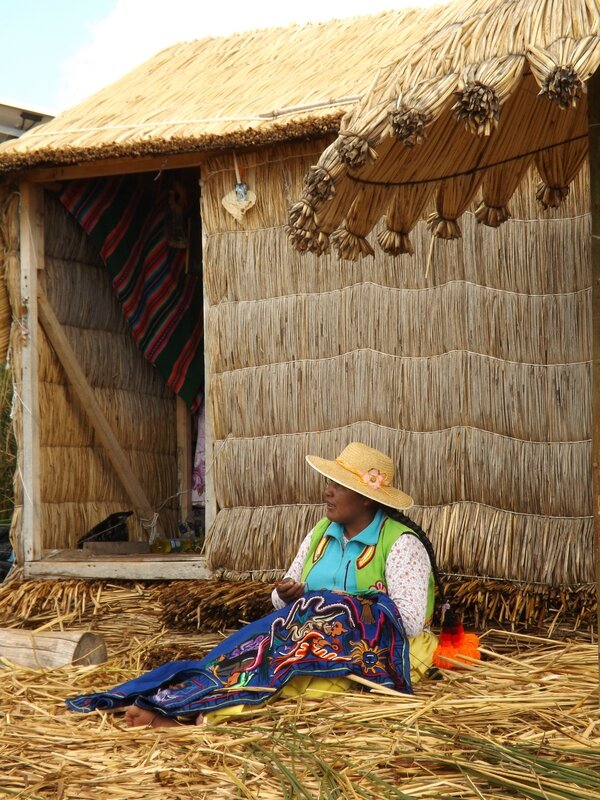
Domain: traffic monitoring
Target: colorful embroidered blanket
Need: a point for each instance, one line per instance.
(321, 634)
(127, 220)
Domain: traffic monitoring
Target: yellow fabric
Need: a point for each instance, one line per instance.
(422, 648)
(301, 686)
(314, 687)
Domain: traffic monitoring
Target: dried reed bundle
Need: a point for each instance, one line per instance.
(7, 245)
(64, 466)
(473, 478)
(524, 606)
(282, 165)
(456, 412)
(63, 240)
(105, 607)
(7, 447)
(65, 522)
(401, 217)
(213, 605)
(146, 609)
(409, 103)
(137, 419)
(496, 318)
(111, 362)
(238, 265)
(65, 276)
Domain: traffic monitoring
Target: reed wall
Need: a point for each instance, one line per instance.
(9, 240)
(468, 362)
(78, 485)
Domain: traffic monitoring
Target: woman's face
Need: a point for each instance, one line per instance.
(342, 505)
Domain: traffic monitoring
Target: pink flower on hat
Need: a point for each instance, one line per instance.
(374, 478)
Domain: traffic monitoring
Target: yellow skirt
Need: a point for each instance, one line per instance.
(422, 648)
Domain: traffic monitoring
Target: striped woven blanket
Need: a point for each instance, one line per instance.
(126, 218)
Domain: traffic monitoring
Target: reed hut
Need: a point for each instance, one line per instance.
(468, 360)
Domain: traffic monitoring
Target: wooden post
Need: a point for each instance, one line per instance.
(210, 499)
(92, 409)
(31, 233)
(184, 459)
(210, 496)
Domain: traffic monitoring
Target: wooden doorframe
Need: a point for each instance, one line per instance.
(31, 231)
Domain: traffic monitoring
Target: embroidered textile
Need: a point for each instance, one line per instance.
(320, 634)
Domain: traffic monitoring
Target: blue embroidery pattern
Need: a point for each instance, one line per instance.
(321, 634)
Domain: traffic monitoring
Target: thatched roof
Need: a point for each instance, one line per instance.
(235, 91)
(490, 87)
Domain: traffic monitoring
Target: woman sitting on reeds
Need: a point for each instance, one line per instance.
(354, 606)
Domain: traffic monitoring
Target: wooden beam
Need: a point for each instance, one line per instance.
(184, 458)
(146, 568)
(91, 407)
(31, 231)
(210, 498)
(115, 166)
(128, 165)
(594, 156)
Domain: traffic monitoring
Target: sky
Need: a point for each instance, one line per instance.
(54, 53)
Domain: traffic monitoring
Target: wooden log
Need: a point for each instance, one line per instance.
(51, 649)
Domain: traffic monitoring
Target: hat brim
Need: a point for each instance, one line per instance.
(386, 495)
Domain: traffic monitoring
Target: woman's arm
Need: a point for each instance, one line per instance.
(294, 573)
(407, 576)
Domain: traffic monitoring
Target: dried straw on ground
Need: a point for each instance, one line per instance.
(525, 723)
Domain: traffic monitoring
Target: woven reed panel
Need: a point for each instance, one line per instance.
(472, 372)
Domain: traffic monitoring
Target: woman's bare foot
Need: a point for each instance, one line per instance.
(200, 720)
(136, 716)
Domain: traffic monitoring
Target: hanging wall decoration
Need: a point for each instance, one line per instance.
(240, 199)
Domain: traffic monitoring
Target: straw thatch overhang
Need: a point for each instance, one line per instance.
(489, 89)
(239, 91)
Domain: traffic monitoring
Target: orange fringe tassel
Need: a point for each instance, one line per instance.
(454, 643)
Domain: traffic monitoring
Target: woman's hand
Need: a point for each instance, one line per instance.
(289, 590)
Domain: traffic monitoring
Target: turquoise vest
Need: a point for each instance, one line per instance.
(359, 566)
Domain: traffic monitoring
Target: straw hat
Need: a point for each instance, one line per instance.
(366, 471)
